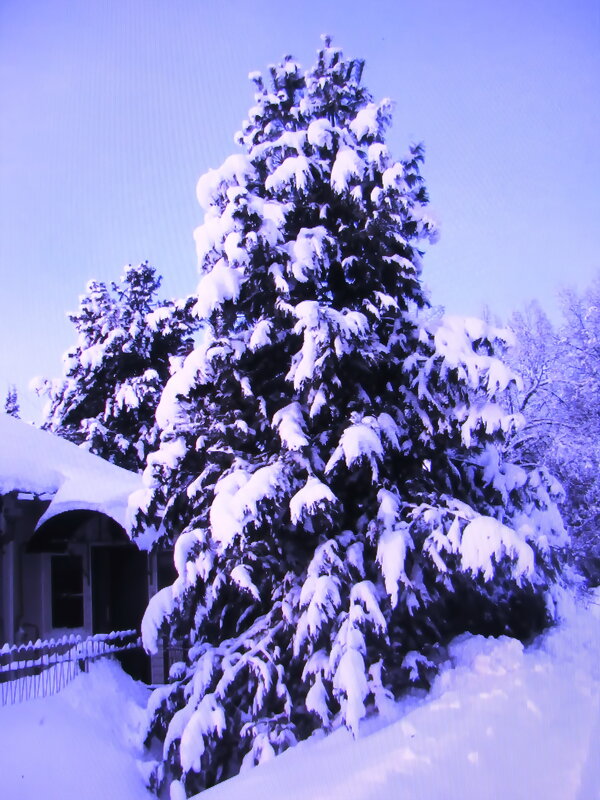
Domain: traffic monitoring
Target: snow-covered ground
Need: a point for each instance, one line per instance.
(81, 744)
(501, 723)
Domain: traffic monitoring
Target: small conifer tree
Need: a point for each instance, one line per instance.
(330, 466)
(11, 402)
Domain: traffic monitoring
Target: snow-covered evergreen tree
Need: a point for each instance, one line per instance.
(330, 466)
(11, 402)
(128, 341)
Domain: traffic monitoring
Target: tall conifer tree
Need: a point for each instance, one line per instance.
(329, 468)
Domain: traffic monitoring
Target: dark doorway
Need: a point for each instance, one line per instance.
(120, 597)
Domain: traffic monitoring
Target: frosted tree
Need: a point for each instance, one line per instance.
(560, 369)
(579, 456)
(128, 341)
(330, 468)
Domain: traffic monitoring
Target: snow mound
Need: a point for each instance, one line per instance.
(486, 656)
(80, 743)
(501, 721)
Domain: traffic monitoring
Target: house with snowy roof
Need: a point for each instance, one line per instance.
(66, 562)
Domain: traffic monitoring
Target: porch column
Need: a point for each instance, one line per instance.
(8, 591)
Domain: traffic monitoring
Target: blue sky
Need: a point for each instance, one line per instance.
(112, 110)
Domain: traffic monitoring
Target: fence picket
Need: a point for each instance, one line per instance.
(42, 668)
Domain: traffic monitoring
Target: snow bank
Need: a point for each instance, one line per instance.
(501, 721)
(81, 743)
(32, 460)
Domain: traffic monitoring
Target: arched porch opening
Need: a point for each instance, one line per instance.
(95, 580)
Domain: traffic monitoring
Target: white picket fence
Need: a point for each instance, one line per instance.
(42, 668)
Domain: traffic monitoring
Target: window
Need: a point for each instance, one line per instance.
(67, 591)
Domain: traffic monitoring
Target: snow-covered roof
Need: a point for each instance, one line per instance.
(32, 460)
